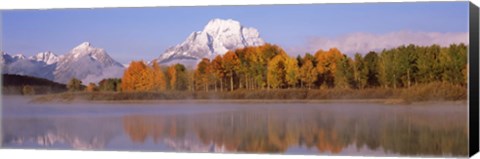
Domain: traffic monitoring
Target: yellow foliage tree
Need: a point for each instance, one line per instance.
(276, 71)
(159, 81)
(292, 71)
(172, 74)
(308, 73)
(327, 65)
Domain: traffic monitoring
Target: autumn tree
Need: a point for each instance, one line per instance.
(230, 64)
(257, 68)
(428, 64)
(326, 65)
(135, 77)
(182, 77)
(407, 58)
(190, 80)
(276, 71)
(172, 77)
(454, 61)
(203, 74)
(158, 80)
(308, 73)
(360, 72)
(371, 62)
(292, 71)
(109, 84)
(141, 77)
(218, 71)
(74, 85)
(178, 77)
(268, 66)
(343, 73)
(91, 87)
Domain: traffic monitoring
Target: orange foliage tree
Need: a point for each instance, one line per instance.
(327, 65)
(172, 76)
(218, 71)
(203, 73)
(91, 87)
(230, 64)
(141, 77)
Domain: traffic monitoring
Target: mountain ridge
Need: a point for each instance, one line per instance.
(91, 64)
(84, 62)
(217, 37)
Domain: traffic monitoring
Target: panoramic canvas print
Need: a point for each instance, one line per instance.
(367, 79)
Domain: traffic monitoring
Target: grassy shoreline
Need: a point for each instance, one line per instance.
(424, 93)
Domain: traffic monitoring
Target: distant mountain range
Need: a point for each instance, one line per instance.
(84, 62)
(90, 64)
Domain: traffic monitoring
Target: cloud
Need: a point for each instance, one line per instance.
(365, 42)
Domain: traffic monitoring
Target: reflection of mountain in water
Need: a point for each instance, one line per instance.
(77, 133)
(328, 131)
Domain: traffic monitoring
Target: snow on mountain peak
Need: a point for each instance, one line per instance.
(217, 26)
(47, 57)
(87, 49)
(19, 56)
(84, 45)
(217, 37)
(83, 62)
(87, 63)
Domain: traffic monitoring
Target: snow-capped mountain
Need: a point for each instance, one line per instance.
(47, 57)
(88, 64)
(84, 62)
(217, 38)
(7, 59)
(20, 65)
(18, 57)
(30, 68)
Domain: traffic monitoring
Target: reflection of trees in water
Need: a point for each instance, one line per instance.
(140, 127)
(423, 134)
(406, 133)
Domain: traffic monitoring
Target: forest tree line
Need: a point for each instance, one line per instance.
(270, 67)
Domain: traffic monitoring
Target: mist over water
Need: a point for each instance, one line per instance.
(433, 129)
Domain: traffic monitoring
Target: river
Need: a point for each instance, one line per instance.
(327, 128)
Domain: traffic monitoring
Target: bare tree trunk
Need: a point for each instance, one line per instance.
(231, 80)
(231, 83)
(246, 82)
(394, 82)
(206, 87)
(408, 78)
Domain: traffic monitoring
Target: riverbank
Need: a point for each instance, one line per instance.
(431, 92)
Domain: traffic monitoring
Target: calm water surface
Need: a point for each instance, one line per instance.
(436, 129)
